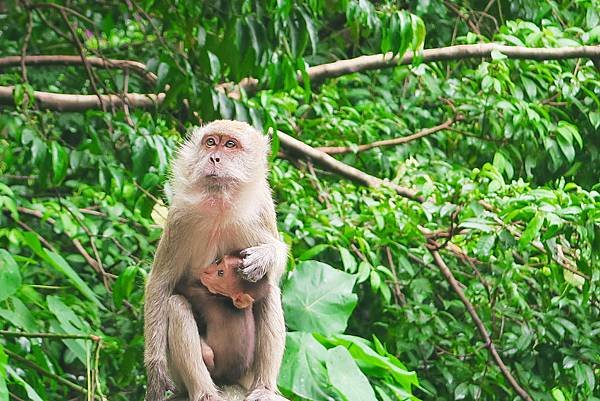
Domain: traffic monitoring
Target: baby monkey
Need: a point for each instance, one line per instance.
(222, 304)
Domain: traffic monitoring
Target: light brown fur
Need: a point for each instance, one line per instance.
(217, 208)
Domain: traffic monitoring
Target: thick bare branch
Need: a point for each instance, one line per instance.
(458, 52)
(387, 142)
(70, 102)
(297, 147)
(319, 73)
(98, 62)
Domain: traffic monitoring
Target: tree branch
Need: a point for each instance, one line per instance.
(71, 102)
(98, 62)
(68, 102)
(91, 337)
(459, 52)
(51, 375)
(338, 68)
(477, 320)
(323, 159)
(389, 142)
(78, 245)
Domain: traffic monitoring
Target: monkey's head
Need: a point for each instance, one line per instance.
(222, 278)
(222, 154)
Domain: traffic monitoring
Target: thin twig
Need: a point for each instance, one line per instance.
(81, 51)
(389, 142)
(400, 298)
(42, 239)
(125, 105)
(91, 337)
(63, 9)
(465, 18)
(98, 260)
(477, 320)
(44, 372)
(76, 242)
(24, 47)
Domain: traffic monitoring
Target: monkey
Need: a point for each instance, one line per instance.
(221, 202)
(222, 303)
(222, 277)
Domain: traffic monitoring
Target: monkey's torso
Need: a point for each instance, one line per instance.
(228, 331)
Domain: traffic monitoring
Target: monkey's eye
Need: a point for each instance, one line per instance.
(220, 273)
(211, 142)
(230, 144)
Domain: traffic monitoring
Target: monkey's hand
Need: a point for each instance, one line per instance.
(158, 383)
(256, 261)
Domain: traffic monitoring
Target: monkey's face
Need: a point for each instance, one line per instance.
(222, 277)
(223, 154)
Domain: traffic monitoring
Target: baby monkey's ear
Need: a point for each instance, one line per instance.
(242, 301)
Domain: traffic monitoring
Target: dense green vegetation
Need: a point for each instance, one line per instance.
(509, 189)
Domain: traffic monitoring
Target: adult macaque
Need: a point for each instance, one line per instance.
(221, 203)
(222, 303)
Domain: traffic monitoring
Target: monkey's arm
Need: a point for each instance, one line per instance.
(269, 257)
(169, 264)
(265, 259)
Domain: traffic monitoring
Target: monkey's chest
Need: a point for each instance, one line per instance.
(211, 243)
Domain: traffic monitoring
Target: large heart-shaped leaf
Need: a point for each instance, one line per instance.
(346, 377)
(318, 298)
(303, 369)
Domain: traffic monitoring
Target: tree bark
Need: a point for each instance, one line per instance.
(69, 102)
(135, 66)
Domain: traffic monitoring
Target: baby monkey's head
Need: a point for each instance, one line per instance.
(222, 278)
(222, 154)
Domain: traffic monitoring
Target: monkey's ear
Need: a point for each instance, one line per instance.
(242, 301)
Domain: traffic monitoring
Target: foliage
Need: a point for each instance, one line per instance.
(515, 182)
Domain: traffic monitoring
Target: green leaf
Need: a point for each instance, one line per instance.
(346, 377)
(485, 244)
(60, 162)
(312, 252)
(532, 230)
(371, 362)
(142, 156)
(318, 298)
(461, 391)
(348, 261)
(496, 55)
(29, 390)
(10, 276)
(69, 323)
(21, 316)
(303, 369)
(558, 395)
(61, 265)
(3, 388)
(124, 285)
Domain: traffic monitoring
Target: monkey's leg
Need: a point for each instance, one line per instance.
(208, 356)
(270, 342)
(185, 352)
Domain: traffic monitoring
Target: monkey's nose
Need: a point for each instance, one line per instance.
(214, 160)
